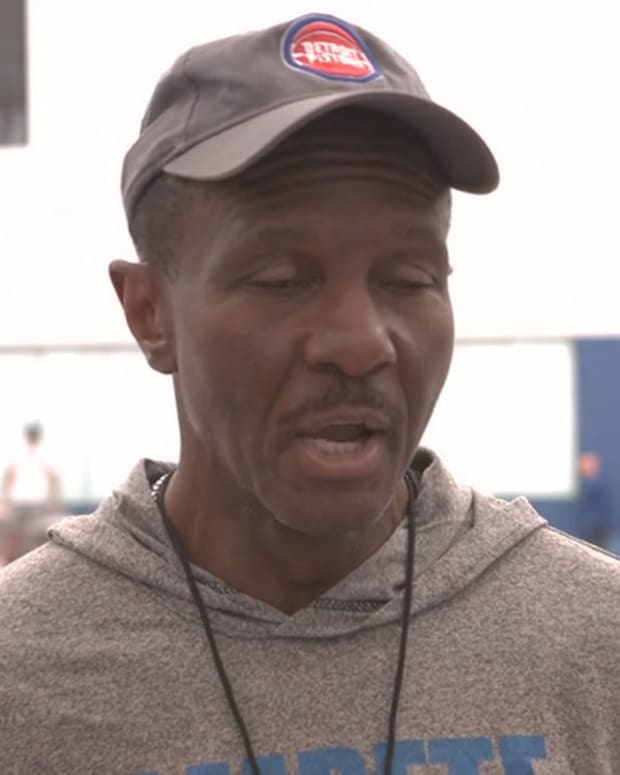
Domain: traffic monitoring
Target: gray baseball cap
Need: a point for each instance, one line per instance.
(225, 104)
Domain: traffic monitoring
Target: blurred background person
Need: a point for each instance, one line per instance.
(595, 523)
(30, 496)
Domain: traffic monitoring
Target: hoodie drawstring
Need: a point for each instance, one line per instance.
(159, 489)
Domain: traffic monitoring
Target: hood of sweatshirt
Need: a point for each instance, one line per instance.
(459, 534)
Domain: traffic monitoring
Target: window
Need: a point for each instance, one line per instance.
(13, 119)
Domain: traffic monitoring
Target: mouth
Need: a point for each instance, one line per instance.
(342, 448)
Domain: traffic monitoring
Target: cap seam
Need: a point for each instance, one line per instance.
(183, 134)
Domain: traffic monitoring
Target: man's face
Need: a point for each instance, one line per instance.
(312, 325)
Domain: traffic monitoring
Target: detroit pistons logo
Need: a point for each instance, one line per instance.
(329, 48)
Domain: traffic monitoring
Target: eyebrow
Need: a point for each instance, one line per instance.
(278, 234)
(412, 232)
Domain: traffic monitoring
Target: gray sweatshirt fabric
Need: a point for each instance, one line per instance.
(512, 664)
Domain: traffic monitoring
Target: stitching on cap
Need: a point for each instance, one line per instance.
(183, 135)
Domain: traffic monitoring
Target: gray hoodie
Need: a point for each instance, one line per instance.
(511, 669)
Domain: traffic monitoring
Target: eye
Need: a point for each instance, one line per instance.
(409, 284)
(410, 281)
(282, 280)
(279, 284)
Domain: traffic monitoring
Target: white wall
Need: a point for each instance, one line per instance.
(504, 422)
(537, 79)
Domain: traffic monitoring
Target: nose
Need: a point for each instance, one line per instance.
(350, 334)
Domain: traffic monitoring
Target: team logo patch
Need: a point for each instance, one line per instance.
(328, 47)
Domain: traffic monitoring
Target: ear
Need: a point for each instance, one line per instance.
(144, 295)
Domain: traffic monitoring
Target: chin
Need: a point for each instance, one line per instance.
(332, 513)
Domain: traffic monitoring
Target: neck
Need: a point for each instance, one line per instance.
(260, 557)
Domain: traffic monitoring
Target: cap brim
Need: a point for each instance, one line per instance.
(463, 155)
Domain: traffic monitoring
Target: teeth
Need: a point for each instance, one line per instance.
(336, 447)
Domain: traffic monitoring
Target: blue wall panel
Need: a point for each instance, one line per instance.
(597, 392)
(598, 410)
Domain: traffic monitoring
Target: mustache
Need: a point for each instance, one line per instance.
(345, 394)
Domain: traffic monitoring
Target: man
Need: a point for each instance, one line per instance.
(594, 508)
(306, 590)
(30, 497)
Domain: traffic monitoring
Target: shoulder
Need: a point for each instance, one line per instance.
(574, 561)
(586, 579)
(57, 585)
(571, 589)
(39, 588)
(552, 572)
(549, 598)
(539, 544)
